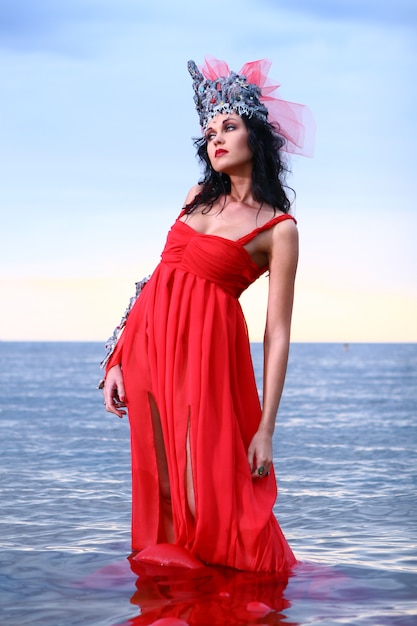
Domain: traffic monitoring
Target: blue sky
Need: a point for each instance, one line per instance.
(97, 156)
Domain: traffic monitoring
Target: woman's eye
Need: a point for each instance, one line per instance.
(210, 136)
(230, 127)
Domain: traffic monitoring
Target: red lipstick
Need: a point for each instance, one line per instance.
(219, 153)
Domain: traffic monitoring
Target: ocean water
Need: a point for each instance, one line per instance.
(346, 461)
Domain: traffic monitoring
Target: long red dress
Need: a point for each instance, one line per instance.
(186, 345)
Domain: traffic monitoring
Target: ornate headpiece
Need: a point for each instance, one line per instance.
(218, 90)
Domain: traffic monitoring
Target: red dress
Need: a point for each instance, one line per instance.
(186, 344)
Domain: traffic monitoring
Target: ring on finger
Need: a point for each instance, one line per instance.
(261, 470)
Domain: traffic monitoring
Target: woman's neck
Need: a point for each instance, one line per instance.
(241, 189)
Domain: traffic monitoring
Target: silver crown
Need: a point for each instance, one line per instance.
(226, 94)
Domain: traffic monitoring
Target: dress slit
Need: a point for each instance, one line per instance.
(189, 479)
(166, 527)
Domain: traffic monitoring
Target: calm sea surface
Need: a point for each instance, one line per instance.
(346, 461)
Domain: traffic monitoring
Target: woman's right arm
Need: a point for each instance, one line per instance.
(114, 391)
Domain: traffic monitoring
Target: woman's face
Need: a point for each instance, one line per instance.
(227, 145)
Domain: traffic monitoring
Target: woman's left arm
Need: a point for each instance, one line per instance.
(283, 259)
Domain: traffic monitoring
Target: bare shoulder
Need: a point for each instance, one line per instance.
(192, 194)
(287, 225)
(283, 244)
(284, 233)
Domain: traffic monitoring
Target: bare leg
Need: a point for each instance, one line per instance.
(189, 475)
(163, 476)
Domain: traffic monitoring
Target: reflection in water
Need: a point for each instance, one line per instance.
(179, 596)
(209, 595)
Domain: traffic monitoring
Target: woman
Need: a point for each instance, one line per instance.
(202, 473)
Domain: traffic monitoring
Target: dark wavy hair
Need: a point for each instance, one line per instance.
(268, 173)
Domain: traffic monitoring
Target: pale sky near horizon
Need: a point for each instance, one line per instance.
(96, 128)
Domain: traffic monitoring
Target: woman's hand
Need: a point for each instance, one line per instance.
(260, 454)
(114, 391)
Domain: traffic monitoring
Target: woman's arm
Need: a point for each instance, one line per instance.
(113, 388)
(283, 259)
(114, 391)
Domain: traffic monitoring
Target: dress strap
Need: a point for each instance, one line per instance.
(275, 220)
